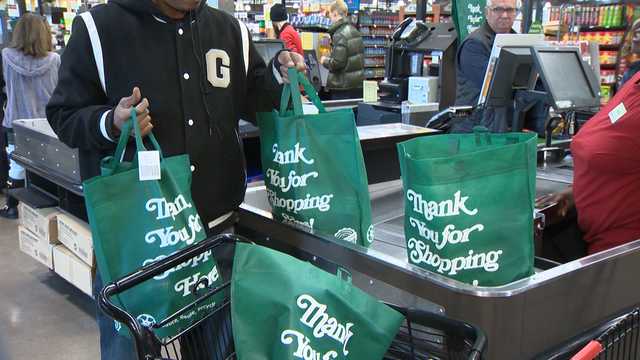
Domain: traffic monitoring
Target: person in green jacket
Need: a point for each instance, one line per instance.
(346, 63)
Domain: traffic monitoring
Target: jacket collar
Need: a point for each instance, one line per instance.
(489, 31)
(147, 7)
(337, 25)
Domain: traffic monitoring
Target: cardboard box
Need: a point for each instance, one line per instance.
(31, 245)
(72, 269)
(41, 222)
(75, 234)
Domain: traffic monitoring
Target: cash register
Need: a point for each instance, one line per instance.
(526, 77)
(411, 41)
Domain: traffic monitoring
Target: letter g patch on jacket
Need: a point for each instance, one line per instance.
(218, 68)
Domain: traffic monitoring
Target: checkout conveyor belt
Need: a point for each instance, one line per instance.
(521, 319)
(387, 214)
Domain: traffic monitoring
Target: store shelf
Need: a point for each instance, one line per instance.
(608, 66)
(602, 28)
(609, 47)
(376, 46)
(312, 28)
(374, 56)
(374, 66)
(374, 36)
(378, 26)
(429, 13)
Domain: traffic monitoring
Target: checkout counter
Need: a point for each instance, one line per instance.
(421, 51)
(537, 317)
(522, 319)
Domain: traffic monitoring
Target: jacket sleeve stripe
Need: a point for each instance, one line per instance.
(96, 45)
(245, 45)
(103, 125)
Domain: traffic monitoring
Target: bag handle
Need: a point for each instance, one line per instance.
(482, 133)
(118, 156)
(291, 93)
(138, 135)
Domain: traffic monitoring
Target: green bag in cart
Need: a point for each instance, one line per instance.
(469, 203)
(313, 168)
(135, 223)
(286, 309)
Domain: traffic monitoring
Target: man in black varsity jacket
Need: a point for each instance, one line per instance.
(191, 72)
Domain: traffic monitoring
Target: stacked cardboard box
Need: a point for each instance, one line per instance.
(74, 260)
(31, 245)
(38, 233)
(61, 242)
(72, 269)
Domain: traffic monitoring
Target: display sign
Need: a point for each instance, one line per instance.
(12, 10)
(468, 16)
(353, 5)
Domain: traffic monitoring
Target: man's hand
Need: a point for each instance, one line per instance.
(323, 60)
(288, 59)
(122, 112)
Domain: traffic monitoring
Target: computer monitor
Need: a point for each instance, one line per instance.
(268, 48)
(501, 41)
(513, 101)
(570, 82)
(514, 70)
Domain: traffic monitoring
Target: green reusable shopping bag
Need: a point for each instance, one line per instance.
(469, 202)
(283, 308)
(135, 223)
(313, 168)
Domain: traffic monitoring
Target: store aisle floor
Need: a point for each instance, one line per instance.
(41, 315)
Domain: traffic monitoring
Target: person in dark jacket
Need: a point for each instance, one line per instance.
(191, 72)
(284, 30)
(30, 70)
(473, 56)
(346, 63)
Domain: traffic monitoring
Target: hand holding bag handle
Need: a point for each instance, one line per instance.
(124, 139)
(292, 92)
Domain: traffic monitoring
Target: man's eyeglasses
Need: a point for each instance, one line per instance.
(499, 10)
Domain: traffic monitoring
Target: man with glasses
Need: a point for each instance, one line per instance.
(473, 56)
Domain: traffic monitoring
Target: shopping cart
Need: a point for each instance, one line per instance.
(619, 341)
(424, 335)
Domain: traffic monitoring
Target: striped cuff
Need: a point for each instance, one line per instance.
(276, 74)
(103, 126)
(276, 66)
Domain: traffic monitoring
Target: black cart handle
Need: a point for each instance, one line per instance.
(149, 271)
(459, 328)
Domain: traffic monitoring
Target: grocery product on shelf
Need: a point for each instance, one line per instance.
(608, 57)
(587, 15)
(376, 27)
(607, 76)
(302, 21)
(374, 51)
(378, 18)
(606, 92)
(372, 41)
